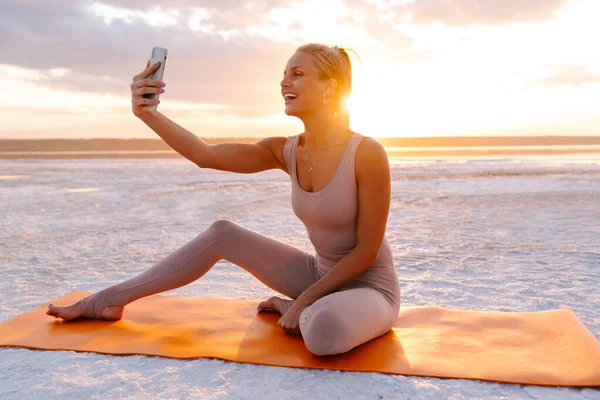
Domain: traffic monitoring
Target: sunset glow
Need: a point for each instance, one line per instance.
(425, 72)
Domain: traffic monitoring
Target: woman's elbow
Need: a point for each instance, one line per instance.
(370, 254)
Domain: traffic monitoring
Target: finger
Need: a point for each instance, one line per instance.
(155, 82)
(146, 101)
(140, 84)
(148, 90)
(154, 67)
(146, 72)
(142, 101)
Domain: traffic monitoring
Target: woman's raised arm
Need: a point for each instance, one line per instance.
(245, 158)
(234, 157)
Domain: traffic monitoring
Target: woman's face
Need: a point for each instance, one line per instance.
(301, 78)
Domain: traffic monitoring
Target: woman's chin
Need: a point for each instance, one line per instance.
(290, 111)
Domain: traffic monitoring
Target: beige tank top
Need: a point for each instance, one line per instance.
(330, 218)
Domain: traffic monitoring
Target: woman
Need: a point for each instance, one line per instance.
(349, 293)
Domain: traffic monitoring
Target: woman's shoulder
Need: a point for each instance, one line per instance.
(370, 156)
(278, 146)
(368, 147)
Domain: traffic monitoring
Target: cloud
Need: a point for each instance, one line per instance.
(102, 58)
(99, 46)
(565, 75)
(484, 12)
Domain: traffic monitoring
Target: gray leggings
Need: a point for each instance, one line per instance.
(333, 324)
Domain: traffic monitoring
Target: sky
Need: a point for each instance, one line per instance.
(426, 68)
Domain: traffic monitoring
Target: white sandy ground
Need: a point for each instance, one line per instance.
(507, 235)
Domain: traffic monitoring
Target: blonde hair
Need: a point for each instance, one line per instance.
(333, 62)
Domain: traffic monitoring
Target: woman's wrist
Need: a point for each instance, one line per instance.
(305, 298)
(145, 115)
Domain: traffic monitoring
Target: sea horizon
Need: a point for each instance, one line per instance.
(396, 147)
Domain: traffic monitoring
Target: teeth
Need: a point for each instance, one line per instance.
(290, 96)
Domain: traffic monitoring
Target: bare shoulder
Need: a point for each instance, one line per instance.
(275, 145)
(371, 159)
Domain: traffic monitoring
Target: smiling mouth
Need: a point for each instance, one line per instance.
(288, 100)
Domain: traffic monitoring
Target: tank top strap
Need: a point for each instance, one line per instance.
(350, 153)
(289, 155)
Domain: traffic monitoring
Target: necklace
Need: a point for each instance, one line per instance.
(308, 154)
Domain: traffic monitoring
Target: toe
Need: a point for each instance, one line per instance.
(267, 304)
(262, 306)
(272, 304)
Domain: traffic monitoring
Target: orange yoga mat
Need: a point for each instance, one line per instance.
(544, 348)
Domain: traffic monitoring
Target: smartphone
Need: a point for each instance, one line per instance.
(158, 54)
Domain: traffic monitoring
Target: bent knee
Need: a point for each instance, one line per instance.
(222, 223)
(324, 333)
(223, 227)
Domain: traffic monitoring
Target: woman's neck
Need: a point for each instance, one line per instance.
(320, 132)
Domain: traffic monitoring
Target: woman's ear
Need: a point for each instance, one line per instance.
(330, 87)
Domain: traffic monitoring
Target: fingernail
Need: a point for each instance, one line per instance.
(163, 84)
(52, 304)
(260, 310)
(157, 101)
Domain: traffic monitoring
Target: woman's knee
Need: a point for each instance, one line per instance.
(223, 227)
(323, 332)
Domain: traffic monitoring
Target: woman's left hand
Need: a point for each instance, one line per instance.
(290, 321)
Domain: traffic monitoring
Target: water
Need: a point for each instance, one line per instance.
(509, 234)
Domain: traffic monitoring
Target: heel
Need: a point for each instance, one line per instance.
(112, 312)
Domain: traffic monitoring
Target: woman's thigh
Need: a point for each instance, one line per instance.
(342, 320)
(282, 267)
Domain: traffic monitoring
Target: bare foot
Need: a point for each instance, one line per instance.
(273, 304)
(110, 313)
